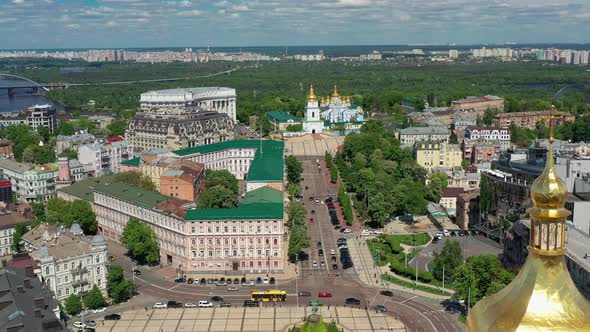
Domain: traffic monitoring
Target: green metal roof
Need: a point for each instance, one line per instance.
(262, 203)
(131, 162)
(280, 116)
(104, 184)
(267, 166)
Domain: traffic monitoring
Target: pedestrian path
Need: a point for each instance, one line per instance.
(270, 318)
(370, 274)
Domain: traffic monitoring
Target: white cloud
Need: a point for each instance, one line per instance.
(188, 13)
(18, 2)
(185, 3)
(7, 20)
(112, 24)
(73, 26)
(345, 4)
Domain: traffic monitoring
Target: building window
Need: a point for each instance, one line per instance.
(47, 270)
(59, 293)
(98, 282)
(66, 279)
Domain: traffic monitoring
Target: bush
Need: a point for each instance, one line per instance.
(346, 205)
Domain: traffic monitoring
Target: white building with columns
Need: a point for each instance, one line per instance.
(218, 99)
(312, 122)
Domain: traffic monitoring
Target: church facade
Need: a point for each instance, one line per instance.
(331, 112)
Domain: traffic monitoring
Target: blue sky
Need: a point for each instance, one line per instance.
(174, 23)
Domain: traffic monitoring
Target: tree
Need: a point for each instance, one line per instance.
(119, 289)
(481, 276)
(38, 154)
(135, 179)
(19, 231)
(221, 177)
(293, 189)
(66, 128)
(94, 299)
(294, 169)
(73, 304)
(72, 154)
(38, 209)
(117, 127)
(444, 179)
(44, 133)
(218, 197)
(294, 128)
(141, 242)
(449, 258)
(81, 212)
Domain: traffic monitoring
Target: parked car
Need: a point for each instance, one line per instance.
(314, 264)
(324, 294)
(272, 280)
(180, 280)
(446, 233)
(236, 281)
(96, 311)
(244, 281)
(304, 293)
(216, 299)
(190, 305)
(319, 244)
(347, 231)
(225, 305)
(112, 317)
(232, 288)
(265, 280)
(322, 264)
(190, 281)
(258, 280)
(334, 266)
(320, 252)
(205, 304)
(387, 293)
(203, 281)
(352, 300)
(160, 305)
(174, 304)
(136, 272)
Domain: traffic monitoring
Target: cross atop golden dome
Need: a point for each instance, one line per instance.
(335, 93)
(312, 97)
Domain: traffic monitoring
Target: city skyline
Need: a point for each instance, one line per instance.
(179, 23)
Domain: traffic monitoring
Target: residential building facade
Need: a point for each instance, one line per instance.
(410, 136)
(29, 182)
(478, 104)
(530, 119)
(179, 130)
(467, 209)
(104, 158)
(69, 261)
(42, 116)
(8, 222)
(437, 155)
(73, 142)
(502, 135)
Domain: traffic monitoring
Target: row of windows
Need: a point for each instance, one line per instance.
(234, 229)
(234, 253)
(72, 265)
(259, 264)
(234, 241)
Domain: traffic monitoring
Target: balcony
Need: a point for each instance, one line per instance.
(79, 283)
(79, 270)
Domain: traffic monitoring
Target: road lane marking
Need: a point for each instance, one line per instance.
(411, 298)
(414, 309)
(175, 286)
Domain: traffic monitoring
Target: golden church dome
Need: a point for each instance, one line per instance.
(543, 296)
(312, 97)
(335, 93)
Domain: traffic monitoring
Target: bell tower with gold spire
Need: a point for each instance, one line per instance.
(542, 297)
(312, 123)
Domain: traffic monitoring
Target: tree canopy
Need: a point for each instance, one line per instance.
(141, 242)
(94, 299)
(221, 177)
(294, 169)
(298, 236)
(218, 197)
(449, 259)
(119, 289)
(135, 179)
(73, 304)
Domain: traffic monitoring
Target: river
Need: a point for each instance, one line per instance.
(22, 99)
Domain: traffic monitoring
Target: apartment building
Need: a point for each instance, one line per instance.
(29, 182)
(478, 104)
(8, 222)
(411, 135)
(42, 116)
(104, 158)
(502, 135)
(437, 155)
(73, 142)
(530, 119)
(69, 261)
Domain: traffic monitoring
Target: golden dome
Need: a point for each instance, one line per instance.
(543, 296)
(312, 97)
(335, 93)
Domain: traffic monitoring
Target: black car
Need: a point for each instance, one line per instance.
(386, 293)
(174, 304)
(112, 317)
(225, 305)
(272, 281)
(312, 211)
(259, 280)
(320, 253)
(334, 266)
(304, 293)
(319, 244)
(216, 299)
(333, 258)
(203, 281)
(249, 303)
(190, 281)
(243, 280)
(343, 239)
(136, 272)
(236, 281)
(337, 227)
(352, 300)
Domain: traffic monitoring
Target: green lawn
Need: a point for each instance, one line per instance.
(321, 326)
(412, 285)
(418, 239)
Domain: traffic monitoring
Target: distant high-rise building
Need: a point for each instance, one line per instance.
(453, 54)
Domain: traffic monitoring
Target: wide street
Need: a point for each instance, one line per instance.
(417, 313)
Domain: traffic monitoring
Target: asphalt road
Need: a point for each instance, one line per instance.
(418, 314)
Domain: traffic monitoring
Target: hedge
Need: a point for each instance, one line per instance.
(409, 272)
(346, 206)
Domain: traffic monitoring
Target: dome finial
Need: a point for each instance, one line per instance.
(312, 97)
(335, 93)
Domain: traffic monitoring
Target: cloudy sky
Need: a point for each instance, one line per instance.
(167, 23)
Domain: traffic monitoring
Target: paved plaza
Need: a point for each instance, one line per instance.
(245, 319)
(312, 145)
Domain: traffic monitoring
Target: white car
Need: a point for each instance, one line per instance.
(446, 233)
(79, 325)
(366, 233)
(99, 310)
(190, 305)
(265, 280)
(314, 264)
(233, 288)
(332, 252)
(205, 304)
(438, 235)
(317, 201)
(377, 232)
(347, 231)
(160, 305)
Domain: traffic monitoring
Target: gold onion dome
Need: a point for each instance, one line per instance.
(543, 296)
(335, 93)
(312, 97)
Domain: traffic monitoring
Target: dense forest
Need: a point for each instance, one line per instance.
(266, 86)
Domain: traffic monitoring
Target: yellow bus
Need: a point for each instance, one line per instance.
(272, 295)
